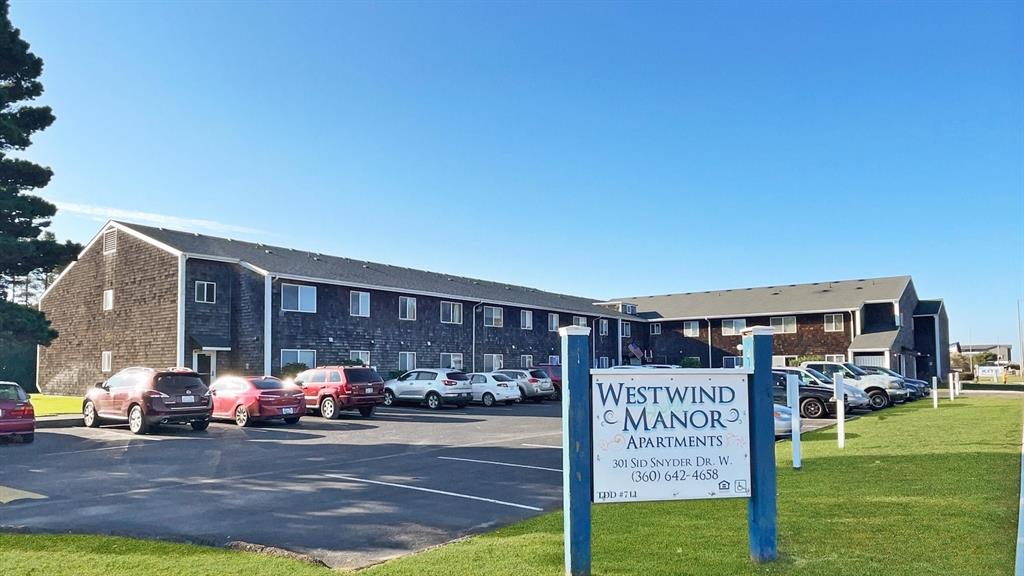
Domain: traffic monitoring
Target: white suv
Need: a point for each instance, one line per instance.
(434, 388)
(533, 384)
(882, 391)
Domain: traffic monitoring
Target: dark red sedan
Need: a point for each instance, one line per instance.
(256, 398)
(17, 416)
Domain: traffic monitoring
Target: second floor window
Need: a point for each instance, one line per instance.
(451, 313)
(602, 327)
(552, 322)
(526, 319)
(627, 330)
(406, 308)
(733, 327)
(206, 292)
(494, 317)
(297, 298)
(108, 299)
(579, 321)
(833, 322)
(656, 329)
(691, 329)
(359, 303)
(784, 324)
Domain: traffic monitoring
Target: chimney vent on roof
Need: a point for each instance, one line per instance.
(268, 251)
(366, 265)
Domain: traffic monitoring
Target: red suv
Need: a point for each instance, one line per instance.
(331, 389)
(554, 371)
(146, 398)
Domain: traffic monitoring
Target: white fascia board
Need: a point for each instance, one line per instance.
(869, 349)
(740, 315)
(58, 279)
(145, 238)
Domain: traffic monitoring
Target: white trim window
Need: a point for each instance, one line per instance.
(579, 321)
(406, 361)
(106, 361)
(108, 300)
(526, 319)
(298, 356)
(733, 327)
(359, 303)
(781, 361)
(494, 317)
(627, 330)
(110, 241)
(493, 362)
(602, 326)
(629, 308)
(784, 324)
(835, 357)
(451, 360)
(554, 360)
(691, 329)
(552, 322)
(406, 308)
(602, 362)
(206, 292)
(526, 361)
(298, 298)
(656, 329)
(834, 323)
(451, 312)
(362, 356)
(732, 361)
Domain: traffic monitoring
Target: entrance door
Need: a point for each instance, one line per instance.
(205, 364)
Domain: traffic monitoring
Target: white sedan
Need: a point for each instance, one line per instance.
(490, 388)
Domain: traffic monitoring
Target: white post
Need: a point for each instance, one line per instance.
(935, 391)
(952, 395)
(793, 397)
(956, 378)
(840, 390)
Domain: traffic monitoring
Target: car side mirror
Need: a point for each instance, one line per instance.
(213, 392)
(101, 385)
(28, 397)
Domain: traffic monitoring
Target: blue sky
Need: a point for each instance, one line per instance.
(594, 149)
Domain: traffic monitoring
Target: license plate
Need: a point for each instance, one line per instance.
(1, 412)
(188, 399)
(287, 410)
(369, 389)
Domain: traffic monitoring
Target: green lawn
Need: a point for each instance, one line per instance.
(916, 492)
(46, 405)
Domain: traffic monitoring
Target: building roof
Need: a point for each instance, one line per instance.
(314, 267)
(875, 340)
(981, 347)
(928, 307)
(786, 299)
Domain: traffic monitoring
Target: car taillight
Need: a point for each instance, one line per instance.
(533, 380)
(23, 411)
(156, 394)
(502, 385)
(449, 382)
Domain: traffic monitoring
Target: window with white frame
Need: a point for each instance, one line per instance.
(554, 360)
(494, 317)
(206, 292)
(835, 357)
(629, 308)
(108, 299)
(526, 361)
(406, 308)
(106, 361)
(492, 362)
(579, 321)
(602, 362)
(298, 356)
(526, 319)
(406, 361)
(784, 324)
(656, 329)
(298, 298)
(451, 360)
(109, 241)
(691, 329)
(552, 322)
(451, 312)
(359, 303)
(627, 330)
(781, 360)
(833, 322)
(602, 326)
(362, 356)
(733, 327)
(732, 362)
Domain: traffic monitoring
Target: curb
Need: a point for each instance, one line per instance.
(60, 421)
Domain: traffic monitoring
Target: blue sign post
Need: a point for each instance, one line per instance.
(761, 509)
(577, 475)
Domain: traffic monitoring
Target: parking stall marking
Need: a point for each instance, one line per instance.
(542, 446)
(8, 495)
(559, 470)
(432, 491)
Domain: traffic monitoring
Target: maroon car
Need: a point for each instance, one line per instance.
(17, 416)
(145, 398)
(554, 371)
(331, 389)
(256, 398)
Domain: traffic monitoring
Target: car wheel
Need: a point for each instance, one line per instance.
(488, 399)
(328, 408)
(28, 438)
(522, 394)
(878, 399)
(389, 397)
(137, 420)
(812, 408)
(200, 425)
(367, 412)
(557, 395)
(433, 400)
(242, 417)
(291, 420)
(89, 415)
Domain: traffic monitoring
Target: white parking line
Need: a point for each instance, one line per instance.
(432, 491)
(542, 446)
(559, 470)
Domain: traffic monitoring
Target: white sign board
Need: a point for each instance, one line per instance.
(662, 434)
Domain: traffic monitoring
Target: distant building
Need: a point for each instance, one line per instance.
(1003, 352)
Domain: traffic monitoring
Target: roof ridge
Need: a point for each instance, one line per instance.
(748, 289)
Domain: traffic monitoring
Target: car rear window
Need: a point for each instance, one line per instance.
(556, 371)
(538, 374)
(268, 384)
(502, 378)
(179, 383)
(362, 375)
(460, 376)
(8, 392)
